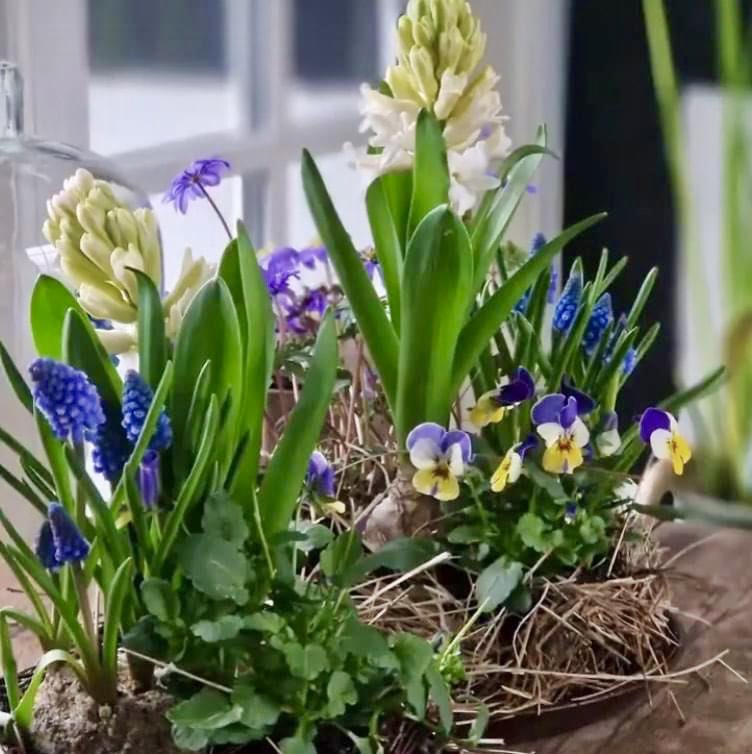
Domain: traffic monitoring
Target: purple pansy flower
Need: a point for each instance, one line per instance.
(320, 475)
(440, 457)
(194, 180)
(492, 406)
(585, 404)
(660, 430)
(565, 434)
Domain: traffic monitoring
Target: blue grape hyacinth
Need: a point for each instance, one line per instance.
(568, 303)
(539, 241)
(600, 319)
(111, 447)
(67, 399)
(137, 398)
(59, 540)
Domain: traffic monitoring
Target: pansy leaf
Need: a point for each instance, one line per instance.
(208, 710)
(486, 321)
(398, 555)
(223, 628)
(367, 308)
(496, 582)
(340, 557)
(223, 517)
(436, 295)
(215, 567)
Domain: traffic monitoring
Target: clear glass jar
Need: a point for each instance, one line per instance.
(31, 171)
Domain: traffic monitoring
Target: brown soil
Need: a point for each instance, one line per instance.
(68, 721)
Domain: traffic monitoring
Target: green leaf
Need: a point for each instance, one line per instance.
(50, 302)
(265, 622)
(431, 172)
(215, 567)
(23, 489)
(221, 629)
(496, 582)
(340, 692)
(117, 593)
(402, 554)
(489, 231)
(479, 725)
(483, 325)
(258, 711)
(440, 694)
(209, 332)
(83, 350)
(223, 518)
(208, 710)
(15, 380)
(415, 655)
(240, 270)
(436, 294)
(152, 341)
(55, 453)
(10, 670)
(388, 244)
(297, 745)
(160, 599)
(531, 530)
(466, 534)
(307, 662)
(190, 739)
(369, 313)
(341, 556)
(361, 640)
(280, 488)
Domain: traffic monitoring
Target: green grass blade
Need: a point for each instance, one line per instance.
(23, 489)
(116, 598)
(152, 341)
(436, 293)
(280, 488)
(486, 321)
(375, 326)
(8, 659)
(642, 298)
(16, 380)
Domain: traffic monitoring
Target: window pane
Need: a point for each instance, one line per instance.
(347, 193)
(199, 228)
(158, 72)
(335, 48)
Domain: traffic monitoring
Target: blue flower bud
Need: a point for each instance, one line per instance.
(630, 358)
(539, 241)
(566, 307)
(70, 546)
(137, 398)
(600, 318)
(66, 398)
(149, 483)
(570, 512)
(45, 548)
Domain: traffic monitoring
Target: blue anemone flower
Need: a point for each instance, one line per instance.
(70, 545)
(66, 398)
(568, 303)
(600, 318)
(137, 398)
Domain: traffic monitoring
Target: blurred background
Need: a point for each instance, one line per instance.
(155, 84)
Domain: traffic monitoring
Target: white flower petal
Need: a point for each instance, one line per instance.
(550, 432)
(456, 466)
(425, 454)
(608, 442)
(660, 443)
(515, 466)
(580, 433)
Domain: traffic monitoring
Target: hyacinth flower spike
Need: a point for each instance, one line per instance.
(137, 398)
(493, 406)
(319, 482)
(440, 458)
(510, 468)
(67, 399)
(569, 302)
(660, 430)
(600, 318)
(563, 432)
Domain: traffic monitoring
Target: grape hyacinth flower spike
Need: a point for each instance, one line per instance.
(660, 430)
(60, 541)
(510, 468)
(440, 457)
(600, 318)
(137, 398)
(539, 241)
(565, 434)
(568, 303)
(493, 406)
(67, 399)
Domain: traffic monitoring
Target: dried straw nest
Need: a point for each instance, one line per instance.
(584, 637)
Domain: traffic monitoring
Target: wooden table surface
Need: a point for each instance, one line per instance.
(714, 582)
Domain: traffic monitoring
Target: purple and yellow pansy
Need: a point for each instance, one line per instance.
(660, 430)
(558, 422)
(493, 406)
(439, 457)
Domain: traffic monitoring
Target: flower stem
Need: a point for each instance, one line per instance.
(84, 604)
(216, 210)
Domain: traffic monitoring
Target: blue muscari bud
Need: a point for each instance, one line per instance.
(600, 318)
(111, 447)
(70, 546)
(148, 479)
(566, 307)
(137, 398)
(539, 241)
(628, 365)
(630, 358)
(45, 548)
(66, 398)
